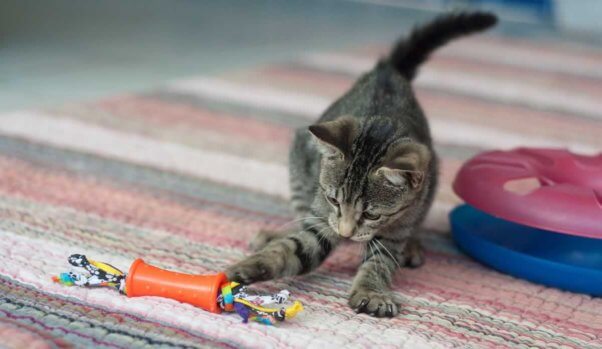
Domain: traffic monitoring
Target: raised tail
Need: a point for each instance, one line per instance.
(409, 53)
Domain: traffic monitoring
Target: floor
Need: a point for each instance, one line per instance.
(81, 50)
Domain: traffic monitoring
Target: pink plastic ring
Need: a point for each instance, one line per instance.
(567, 197)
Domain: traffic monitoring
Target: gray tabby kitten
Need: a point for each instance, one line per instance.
(366, 172)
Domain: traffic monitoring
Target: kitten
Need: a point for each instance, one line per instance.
(366, 172)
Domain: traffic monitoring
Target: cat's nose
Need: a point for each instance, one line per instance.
(346, 228)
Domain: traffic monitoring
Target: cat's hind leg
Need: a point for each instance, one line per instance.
(413, 254)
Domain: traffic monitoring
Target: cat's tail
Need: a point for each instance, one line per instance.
(409, 53)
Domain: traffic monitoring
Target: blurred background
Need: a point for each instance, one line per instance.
(52, 52)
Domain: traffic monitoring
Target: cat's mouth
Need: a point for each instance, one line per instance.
(361, 238)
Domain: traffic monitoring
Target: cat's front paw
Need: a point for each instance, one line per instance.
(375, 303)
(252, 269)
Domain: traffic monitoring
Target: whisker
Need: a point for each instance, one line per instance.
(379, 265)
(295, 221)
(371, 249)
(312, 226)
(389, 252)
(381, 258)
(321, 237)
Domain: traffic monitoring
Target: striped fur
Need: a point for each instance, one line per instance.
(366, 171)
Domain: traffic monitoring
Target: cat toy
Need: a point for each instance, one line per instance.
(534, 213)
(213, 293)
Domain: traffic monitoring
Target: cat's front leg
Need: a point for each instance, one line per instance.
(371, 291)
(294, 254)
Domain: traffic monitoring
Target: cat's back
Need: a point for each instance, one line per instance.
(383, 92)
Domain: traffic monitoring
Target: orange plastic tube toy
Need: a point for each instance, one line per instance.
(209, 292)
(199, 290)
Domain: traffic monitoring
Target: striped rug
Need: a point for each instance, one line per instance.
(183, 176)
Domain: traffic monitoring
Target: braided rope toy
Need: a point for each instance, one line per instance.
(210, 292)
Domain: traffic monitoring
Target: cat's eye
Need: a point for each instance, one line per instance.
(333, 201)
(371, 217)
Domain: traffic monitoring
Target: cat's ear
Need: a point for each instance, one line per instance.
(334, 138)
(406, 163)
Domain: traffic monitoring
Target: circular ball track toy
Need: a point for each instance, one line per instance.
(212, 293)
(549, 232)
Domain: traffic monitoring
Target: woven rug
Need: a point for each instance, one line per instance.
(185, 174)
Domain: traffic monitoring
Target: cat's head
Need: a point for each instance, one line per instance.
(370, 174)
